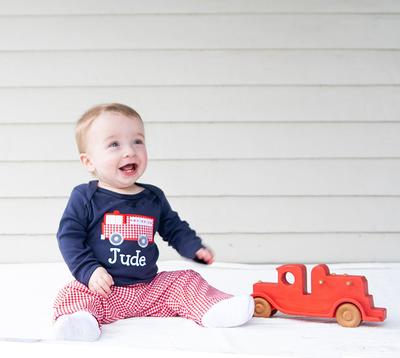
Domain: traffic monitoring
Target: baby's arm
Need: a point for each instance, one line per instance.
(72, 236)
(101, 282)
(178, 233)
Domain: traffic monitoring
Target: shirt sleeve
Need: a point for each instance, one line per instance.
(177, 232)
(72, 238)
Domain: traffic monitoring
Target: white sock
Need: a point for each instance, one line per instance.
(79, 326)
(231, 312)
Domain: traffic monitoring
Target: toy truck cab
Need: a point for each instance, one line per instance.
(342, 296)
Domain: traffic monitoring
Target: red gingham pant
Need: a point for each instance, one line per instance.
(174, 293)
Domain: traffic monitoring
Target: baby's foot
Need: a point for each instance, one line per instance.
(230, 312)
(79, 326)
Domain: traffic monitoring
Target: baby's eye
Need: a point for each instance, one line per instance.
(114, 145)
(138, 141)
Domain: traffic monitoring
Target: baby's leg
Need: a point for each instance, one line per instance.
(188, 295)
(77, 311)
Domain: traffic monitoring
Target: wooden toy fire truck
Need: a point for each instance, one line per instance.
(345, 297)
(117, 228)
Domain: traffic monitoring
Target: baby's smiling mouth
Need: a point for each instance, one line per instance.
(129, 168)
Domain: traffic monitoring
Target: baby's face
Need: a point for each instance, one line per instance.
(116, 151)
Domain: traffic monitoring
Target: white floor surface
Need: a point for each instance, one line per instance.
(28, 291)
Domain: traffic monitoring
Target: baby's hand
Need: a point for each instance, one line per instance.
(205, 255)
(101, 282)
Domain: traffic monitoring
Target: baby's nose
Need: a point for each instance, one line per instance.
(129, 151)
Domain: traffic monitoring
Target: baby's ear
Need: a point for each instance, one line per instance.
(86, 162)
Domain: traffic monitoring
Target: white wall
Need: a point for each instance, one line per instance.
(273, 126)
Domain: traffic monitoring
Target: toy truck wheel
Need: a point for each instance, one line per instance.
(348, 315)
(116, 238)
(262, 308)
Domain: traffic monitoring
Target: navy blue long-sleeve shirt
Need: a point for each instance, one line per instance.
(116, 231)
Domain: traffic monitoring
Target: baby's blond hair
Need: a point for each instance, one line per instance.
(84, 123)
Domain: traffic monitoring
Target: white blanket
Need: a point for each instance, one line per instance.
(28, 291)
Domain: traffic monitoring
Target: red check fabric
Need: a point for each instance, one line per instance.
(174, 293)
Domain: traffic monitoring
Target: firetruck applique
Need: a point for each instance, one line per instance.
(117, 228)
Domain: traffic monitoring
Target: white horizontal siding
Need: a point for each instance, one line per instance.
(234, 214)
(219, 141)
(321, 177)
(272, 125)
(51, 7)
(208, 103)
(156, 67)
(200, 32)
(63, 68)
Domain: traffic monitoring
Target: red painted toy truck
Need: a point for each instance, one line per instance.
(342, 296)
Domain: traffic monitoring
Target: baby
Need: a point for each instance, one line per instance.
(106, 237)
